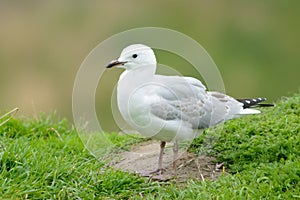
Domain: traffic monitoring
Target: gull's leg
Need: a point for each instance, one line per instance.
(160, 159)
(175, 157)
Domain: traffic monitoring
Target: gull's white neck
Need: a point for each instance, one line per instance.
(138, 75)
(129, 82)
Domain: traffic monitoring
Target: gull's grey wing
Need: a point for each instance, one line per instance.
(186, 111)
(176, 87)
(186, 99)
(226, 107)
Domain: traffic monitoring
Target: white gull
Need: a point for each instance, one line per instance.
(169, 108)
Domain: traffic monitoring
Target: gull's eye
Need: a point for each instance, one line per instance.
(134, 55)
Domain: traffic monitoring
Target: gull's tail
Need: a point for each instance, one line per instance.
(254, 102)
(250, 103)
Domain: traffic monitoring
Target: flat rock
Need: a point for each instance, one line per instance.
(144, 157)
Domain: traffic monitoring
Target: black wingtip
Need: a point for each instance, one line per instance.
(254, 102)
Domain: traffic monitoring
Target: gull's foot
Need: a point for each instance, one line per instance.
(161, 177)
(151, 173)
(174, 173)
(156, 175)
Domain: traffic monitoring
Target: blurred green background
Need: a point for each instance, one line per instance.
(255, 44)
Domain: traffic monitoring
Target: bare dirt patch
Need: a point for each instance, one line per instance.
(144, 157)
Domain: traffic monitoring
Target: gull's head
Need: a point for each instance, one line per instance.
(134, 56)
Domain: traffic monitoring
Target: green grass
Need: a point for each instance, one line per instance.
(44, 158)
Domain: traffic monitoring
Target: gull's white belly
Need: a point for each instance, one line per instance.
(136, 111)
